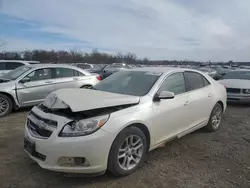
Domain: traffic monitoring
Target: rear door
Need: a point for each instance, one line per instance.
(39, 86)
(67, 78)
(200, 101)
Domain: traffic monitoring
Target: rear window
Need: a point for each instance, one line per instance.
(194, 80)
(13, 65)
(64, 73)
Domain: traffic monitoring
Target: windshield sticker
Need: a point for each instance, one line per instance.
(153, 73)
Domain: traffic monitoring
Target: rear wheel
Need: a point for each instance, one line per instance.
(127, 152)
(215, 118)
(5, 105)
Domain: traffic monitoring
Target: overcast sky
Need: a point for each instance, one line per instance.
(202, 30)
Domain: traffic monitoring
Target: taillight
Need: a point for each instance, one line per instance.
(99, 78)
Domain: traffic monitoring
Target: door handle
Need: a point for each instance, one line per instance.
(75, 79)
(49, 82)
(186, 103)
(210, 95)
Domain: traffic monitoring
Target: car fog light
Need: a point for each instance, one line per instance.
(73, 161)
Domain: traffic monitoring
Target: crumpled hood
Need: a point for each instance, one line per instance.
(236, 83)
(86, 99)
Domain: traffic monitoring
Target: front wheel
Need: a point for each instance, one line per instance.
(127, 152)
(5, 105)
(215, 119)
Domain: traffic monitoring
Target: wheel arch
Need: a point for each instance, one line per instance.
(143, 128)
(221, 103)
(15, 106)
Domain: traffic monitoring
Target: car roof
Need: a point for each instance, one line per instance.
(161, 69)
(238, 70)
(58, 66)
(18, 61)
(50, 65)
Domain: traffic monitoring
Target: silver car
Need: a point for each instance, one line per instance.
(29, 85)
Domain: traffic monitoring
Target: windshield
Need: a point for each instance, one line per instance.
(243, 75)
(97, 68)
(84, 66)
(114, 67)
(137, 83)
(14, 74)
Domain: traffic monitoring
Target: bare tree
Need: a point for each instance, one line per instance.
(2, 44)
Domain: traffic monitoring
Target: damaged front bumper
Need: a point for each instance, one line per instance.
(83, 154)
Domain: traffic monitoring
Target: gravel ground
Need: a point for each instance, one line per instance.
(201, 159)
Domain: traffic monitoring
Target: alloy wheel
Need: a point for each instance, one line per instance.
(4, 105)
(130, 152)
(216, 118)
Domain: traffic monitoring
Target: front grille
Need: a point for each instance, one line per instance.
(44, 108)
(38, 131)
(46, 121)
(233, 90)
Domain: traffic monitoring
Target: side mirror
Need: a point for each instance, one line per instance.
(164, 95)
(24, 80)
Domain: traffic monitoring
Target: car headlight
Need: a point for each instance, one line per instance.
(83, 127)
(246, 91)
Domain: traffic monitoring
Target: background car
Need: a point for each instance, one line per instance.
(237, 83)
(29, 85)
(113, 125)
(108, 70)
(85, 66)
(8, 65)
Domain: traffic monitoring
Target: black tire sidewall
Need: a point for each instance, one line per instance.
(85, 86)
(10, 105)
(113, 165)
(209, 126)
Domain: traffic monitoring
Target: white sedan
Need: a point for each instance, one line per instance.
(237, 83)
(113, 125)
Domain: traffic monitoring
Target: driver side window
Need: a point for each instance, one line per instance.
(174, 83)
(40, 74)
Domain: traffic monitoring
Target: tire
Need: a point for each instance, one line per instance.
(215, 119)
(6, 105)
(115, 165)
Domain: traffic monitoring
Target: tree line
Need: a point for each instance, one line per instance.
(94, 57)
(71, 56)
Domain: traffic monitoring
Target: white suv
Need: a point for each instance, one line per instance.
(8, 65)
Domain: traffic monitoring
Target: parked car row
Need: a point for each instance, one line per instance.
(114, 124)
(29, 85)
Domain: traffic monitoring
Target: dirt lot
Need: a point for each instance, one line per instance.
(201, 159)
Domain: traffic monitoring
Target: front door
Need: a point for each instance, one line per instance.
(171, 116)
(33, 88)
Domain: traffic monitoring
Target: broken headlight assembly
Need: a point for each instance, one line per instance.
(83, 127)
